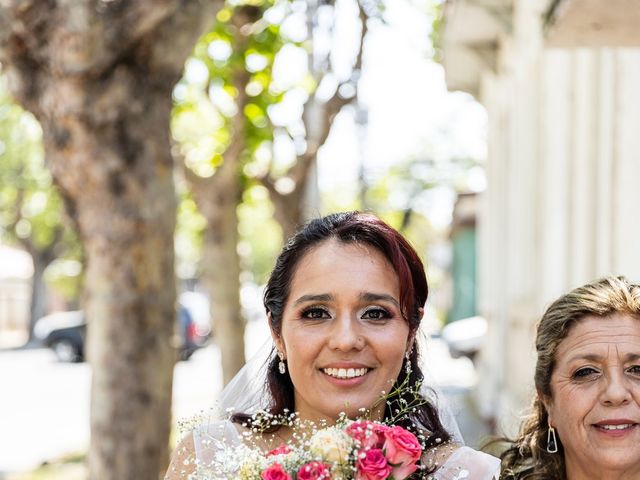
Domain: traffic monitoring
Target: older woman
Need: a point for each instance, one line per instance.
(586, 416)
(344, 303)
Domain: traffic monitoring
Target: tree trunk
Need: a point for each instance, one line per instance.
(98, 76)
(125, 206)
(218, 198)
(221, 275)
(38, 303)
(288, 210)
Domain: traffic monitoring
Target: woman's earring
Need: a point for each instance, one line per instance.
(552, 442)
(282, 368)
(407, 363)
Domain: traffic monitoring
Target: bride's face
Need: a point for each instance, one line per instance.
(342, 333)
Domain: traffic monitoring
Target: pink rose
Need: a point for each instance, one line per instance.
(275, 472)
(314, 471)
(372, 465)
(403, 450)
(369, 434)
(281, 450)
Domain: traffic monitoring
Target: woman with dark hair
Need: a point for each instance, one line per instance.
(344, 303)
(585, 420)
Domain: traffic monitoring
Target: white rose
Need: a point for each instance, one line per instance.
(332, 445)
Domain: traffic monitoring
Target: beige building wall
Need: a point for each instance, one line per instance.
(563, 173)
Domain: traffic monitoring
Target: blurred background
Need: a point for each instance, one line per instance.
(500, 136)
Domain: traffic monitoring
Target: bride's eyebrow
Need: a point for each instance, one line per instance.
(377, 297)
(325, 297)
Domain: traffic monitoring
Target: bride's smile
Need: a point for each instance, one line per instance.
(347, 371)
(343, 334)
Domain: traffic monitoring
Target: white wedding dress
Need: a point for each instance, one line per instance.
(214, 441)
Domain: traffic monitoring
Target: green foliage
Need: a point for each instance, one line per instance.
(205, 110)
(205, 97)
(28, 208)
(262, 236)
(406, 186)
(188, 237)
(436, 12)
(31, 210)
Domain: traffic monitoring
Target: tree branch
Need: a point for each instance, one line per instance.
(331, 108)
(174, 40)
(92, 36)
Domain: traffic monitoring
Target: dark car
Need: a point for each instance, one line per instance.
(65, 334)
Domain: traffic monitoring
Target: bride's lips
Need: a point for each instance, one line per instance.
(618, 427)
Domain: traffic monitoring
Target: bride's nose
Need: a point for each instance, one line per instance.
(345, 334)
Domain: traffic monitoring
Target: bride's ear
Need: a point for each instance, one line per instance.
(410, 341)
(412, 335)
(277, 339)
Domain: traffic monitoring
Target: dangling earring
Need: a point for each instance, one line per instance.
(552, 442)
(282, 368)
(407, 364)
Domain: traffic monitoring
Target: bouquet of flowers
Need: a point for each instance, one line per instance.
(351, 450)
(360, 449)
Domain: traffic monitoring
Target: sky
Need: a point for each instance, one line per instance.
(410, 112)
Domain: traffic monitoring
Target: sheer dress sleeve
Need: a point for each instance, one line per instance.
(468, 464)
(203, 453)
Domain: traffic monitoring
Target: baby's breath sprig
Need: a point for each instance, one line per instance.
(403, 400)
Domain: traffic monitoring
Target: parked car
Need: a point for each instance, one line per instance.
(465, 336)
(65, 334)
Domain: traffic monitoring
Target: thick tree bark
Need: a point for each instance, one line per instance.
(98, 76)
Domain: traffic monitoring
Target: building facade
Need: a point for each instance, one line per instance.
(560, 80)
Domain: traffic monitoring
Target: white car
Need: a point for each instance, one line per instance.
(465, 336)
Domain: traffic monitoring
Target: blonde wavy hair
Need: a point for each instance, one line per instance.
(527, 458)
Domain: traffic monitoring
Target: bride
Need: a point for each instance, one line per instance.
(344, 303)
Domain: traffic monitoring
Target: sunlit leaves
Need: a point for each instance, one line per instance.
(31, 210)
(188, 238)
(261, 236)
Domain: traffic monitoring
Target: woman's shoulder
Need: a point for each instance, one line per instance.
(455, 462)
(199, 446)
(218, 430)
(182, 460)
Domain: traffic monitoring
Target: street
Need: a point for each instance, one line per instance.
(44, 404)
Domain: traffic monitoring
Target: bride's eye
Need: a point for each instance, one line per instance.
(376, 314)
(315, 313)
